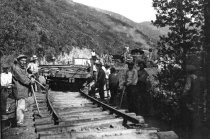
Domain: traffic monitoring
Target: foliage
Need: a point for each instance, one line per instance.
(34, 26)
(185, 20)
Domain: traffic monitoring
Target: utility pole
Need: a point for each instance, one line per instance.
(207, 63)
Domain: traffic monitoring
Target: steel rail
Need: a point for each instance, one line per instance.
(125, 116)
(50, 107)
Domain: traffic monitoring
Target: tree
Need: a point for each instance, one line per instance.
(185, 19)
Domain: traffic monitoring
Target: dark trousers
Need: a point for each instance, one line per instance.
(131, 97)
(113, 98)
(101, 91)
(144, 100)
(5, 92)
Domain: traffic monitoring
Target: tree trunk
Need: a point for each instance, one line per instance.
(207, 47)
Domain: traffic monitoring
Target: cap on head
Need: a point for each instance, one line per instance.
(98, 63)
(31, 59)
(35, 57)
(21, 57)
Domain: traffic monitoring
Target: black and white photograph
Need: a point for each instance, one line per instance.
(105, 69)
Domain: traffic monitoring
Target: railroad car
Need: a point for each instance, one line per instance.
(66, 76)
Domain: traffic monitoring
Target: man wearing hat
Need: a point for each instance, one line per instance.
(100, 81)
(21, 84)
(131, 79)
(192, 98)
(33, 65)
(33, 69)
(6, 89)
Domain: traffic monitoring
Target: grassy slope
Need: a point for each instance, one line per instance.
(150, 30)
(47, 27)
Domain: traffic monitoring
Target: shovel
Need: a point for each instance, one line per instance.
(32, 89)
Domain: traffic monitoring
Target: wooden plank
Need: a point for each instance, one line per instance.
(86, 119)
(87, 114)
(66, 126)
(61, 112)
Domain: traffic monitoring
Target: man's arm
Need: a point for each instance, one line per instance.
(23, 78)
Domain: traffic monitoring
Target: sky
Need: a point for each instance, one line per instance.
(136, 10)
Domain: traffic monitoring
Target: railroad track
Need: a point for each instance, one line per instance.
(78, 115)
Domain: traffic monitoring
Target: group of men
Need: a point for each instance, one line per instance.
(16, 81)
(107, 78)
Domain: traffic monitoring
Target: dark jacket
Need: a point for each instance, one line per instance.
(101, 77)
(113, 81)
(21, 81)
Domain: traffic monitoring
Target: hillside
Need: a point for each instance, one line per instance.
(50, 27)
(150, 30)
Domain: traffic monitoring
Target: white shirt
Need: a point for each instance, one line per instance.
(94, 68)
(93, 53)
(6, 79)
(34, 67)
(104, 68)
(107, 72)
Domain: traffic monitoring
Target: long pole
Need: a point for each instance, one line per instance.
(32, 89)
(121, 100)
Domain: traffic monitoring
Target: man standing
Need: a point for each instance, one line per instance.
(21, 85)
(33, 66)
(6, 89)
(113, 86)
(192, 96)
(33, 69)
(100, 81)
(131, 79)
(107, 72)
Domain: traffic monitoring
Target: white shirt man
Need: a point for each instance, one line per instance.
(34, 67)
(93, 53)
(6, 78)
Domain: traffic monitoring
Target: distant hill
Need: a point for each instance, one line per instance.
(150, 30)
(50, 27)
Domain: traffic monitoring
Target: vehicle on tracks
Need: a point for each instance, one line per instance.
(72, 75)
